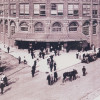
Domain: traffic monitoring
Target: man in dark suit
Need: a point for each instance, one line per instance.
(33, 70)
(49, 79)
(84, 70)
(55, 76)
(8, 48)
(2, 86)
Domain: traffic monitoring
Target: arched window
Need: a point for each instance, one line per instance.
(12, 27)
(73, 26)
(56, 27)
(38, 27)
(23, 26)
(86, 28)
(94, 26)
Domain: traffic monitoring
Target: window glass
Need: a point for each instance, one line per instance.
(73, 26)
(39, 9)
(1, 9)
(24, 26)
(86, 28)
(38, 27)
(56, 9)
(73, 9)
(24, 9)
(86, 9)
(56, 27)
(13, 9)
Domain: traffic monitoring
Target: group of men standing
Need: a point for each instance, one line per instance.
(52, 77)
(3, 82)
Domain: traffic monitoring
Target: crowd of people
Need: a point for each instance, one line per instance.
(52, 76)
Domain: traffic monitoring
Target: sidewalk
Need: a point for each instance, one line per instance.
(95, 95)
(63, 61)
(97, 98)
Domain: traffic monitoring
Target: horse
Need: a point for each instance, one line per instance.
(71, 75)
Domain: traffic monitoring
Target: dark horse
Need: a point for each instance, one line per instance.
(71, 75)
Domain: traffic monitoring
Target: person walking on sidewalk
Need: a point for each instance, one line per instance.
(25, 62)
(19, 59)
(8, 49)
(2, 86)
(33, 70)
(32, 54)
(55, 76)
(54, 66)
(49, 79)
(35, 63)
(84, 70)
(51, 66)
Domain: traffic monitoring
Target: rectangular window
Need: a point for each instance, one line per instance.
(56, 9)
(6, 9)
(36, 9)
(1, 9)
(95, 11)
(24, 9)
(39, 9)
(86, 9)
(73, 9)
(13, 9)
(60, 9)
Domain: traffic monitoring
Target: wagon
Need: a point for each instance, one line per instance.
(89, 58)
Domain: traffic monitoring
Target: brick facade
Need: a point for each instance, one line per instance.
(52, 18)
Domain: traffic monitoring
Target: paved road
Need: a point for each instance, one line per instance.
(23, 87)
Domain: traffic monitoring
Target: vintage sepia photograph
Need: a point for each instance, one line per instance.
(49, 49)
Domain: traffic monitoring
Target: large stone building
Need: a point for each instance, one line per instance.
(49, 22)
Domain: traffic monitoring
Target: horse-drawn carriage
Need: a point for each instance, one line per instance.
(89, 57)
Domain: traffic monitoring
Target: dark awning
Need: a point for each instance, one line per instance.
(49, 37)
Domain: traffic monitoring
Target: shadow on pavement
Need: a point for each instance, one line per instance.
(7, 89)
